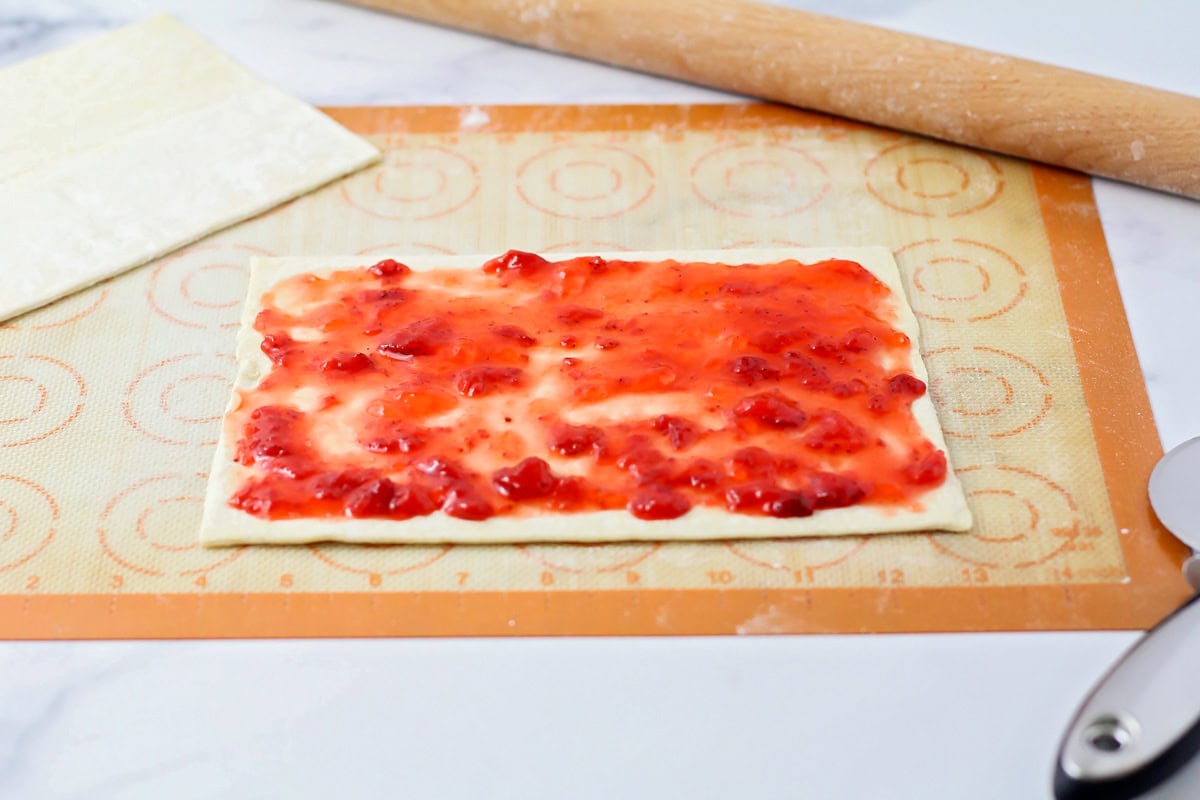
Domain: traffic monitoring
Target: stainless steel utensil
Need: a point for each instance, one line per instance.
(1141, 724)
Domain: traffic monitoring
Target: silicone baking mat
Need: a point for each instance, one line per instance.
(110, 400)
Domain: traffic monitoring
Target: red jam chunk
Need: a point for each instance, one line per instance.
(769, 498)
(679, 432)
(927, 468)
(518, 335)
(572, 440)
(529, 480)
(658, 502)
(421, 338)
(773, 389)
(773, 410)
(516, 262)
(751, 369)
(477, 381)
(346, 362)
(388, 267)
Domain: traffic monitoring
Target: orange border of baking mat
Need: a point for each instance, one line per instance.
(1121, 420)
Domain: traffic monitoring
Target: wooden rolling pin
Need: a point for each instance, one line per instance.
(1060, 116)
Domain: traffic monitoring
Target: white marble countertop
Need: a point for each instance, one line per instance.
(949, 716)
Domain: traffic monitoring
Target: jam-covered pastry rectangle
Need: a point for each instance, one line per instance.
(693, 395)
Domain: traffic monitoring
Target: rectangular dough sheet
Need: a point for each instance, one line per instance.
(128, 146)
(944, 508)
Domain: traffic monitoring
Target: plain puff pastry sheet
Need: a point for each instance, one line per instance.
(128, 146)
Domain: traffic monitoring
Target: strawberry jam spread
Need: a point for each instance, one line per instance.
(531, 387)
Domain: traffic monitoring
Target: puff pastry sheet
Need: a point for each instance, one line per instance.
(128, 146)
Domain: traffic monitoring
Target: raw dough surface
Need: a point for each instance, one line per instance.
(943, 508)
(135, 143)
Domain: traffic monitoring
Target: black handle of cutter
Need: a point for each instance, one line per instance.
(1141, 723)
